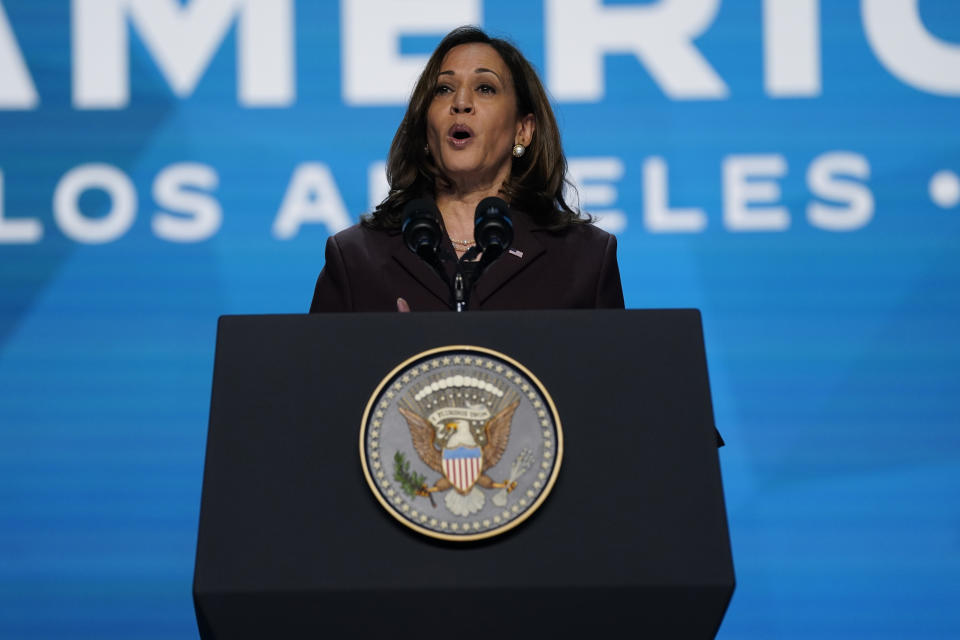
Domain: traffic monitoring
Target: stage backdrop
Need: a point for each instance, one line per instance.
(790, 167)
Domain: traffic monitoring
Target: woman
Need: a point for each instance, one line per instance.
(478, 124)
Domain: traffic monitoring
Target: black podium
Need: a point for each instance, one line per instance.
(632, 540)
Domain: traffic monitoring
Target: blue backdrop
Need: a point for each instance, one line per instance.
(790, 167)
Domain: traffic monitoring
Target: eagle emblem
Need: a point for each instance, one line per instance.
(461, 443)
(463, 451)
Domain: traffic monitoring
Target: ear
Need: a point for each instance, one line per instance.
(525, 128)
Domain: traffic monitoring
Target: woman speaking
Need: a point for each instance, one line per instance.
(478, 125)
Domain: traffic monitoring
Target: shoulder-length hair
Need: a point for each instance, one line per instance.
(536, 182)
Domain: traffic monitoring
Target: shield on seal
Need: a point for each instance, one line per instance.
(462, 466)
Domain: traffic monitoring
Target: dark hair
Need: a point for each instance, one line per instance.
(536, 181)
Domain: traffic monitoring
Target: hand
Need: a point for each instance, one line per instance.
(402, 306)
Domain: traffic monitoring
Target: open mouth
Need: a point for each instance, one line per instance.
(459, 134)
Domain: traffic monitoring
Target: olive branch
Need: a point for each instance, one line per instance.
(410, 481)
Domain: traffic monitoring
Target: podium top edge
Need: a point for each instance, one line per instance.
(524, 312)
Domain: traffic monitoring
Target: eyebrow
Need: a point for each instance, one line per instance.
(477, 70)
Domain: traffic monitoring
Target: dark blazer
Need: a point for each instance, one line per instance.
(368, 269)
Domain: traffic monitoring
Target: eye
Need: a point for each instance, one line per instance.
(487, 89)
(442, 89)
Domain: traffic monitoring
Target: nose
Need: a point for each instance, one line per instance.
(462, 101)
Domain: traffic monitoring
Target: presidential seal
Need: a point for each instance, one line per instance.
(460, 443)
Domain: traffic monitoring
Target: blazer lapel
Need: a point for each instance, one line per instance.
(420, 270)
(522, 253)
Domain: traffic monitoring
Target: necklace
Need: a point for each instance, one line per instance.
(462, 243)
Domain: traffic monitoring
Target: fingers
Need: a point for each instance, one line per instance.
(402, 305)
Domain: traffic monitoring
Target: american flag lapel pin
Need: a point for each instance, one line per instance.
(516, 252)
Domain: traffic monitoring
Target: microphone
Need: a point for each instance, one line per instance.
(492, 229)
(421, 231)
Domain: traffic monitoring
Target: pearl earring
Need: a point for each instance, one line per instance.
(518, 150)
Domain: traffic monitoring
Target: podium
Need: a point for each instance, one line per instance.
(632, 540)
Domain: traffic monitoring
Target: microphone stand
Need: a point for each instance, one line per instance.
(462, 288)
(459, 293)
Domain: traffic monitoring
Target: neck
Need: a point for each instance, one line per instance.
(458, 207)
(458, 213)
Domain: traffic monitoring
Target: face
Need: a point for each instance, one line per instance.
(472, 122)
